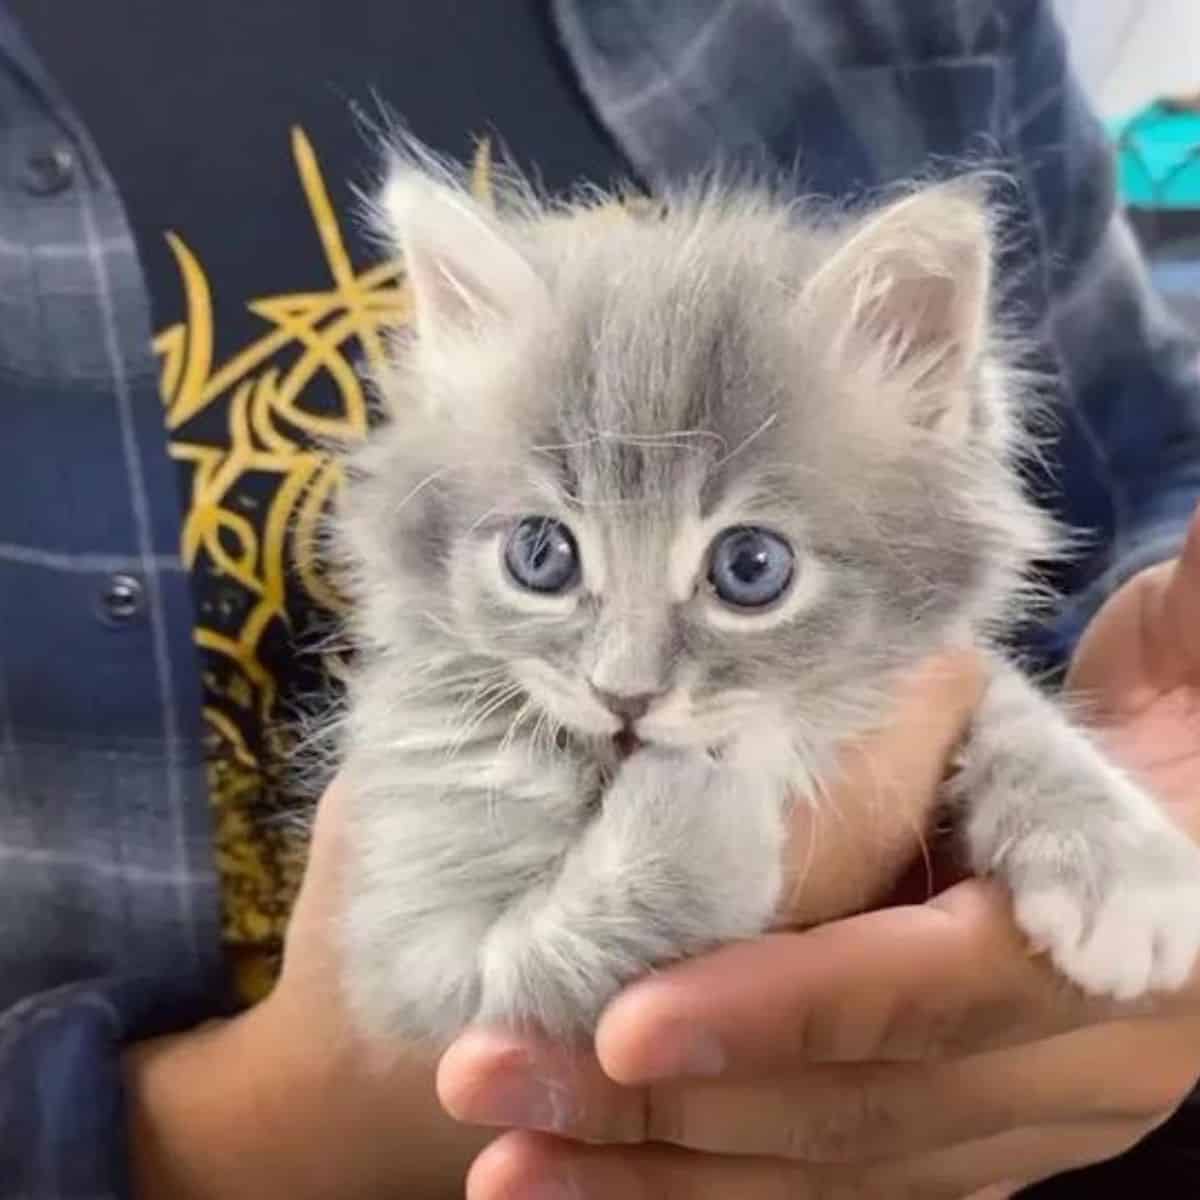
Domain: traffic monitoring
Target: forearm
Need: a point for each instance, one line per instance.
(252, 1107)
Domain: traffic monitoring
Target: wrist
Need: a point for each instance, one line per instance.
(204, 1117)
(266, 1105)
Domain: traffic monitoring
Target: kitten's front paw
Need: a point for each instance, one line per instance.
(681, 855)
(1117, 920)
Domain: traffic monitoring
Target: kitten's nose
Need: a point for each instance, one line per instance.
(631, 707)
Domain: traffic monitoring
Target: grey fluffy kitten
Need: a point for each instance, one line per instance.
(663, 508)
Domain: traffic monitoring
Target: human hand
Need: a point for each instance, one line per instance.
(910, 1052)
(915, 1051)
(285, 1100)
(1137, 671)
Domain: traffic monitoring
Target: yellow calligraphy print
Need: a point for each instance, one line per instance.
(257, 484)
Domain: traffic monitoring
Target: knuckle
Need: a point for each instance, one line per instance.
(855, 1123)
(816, 1035)
(959, 1022)
(927, 1029)
(623, 1122)
(662, 1117)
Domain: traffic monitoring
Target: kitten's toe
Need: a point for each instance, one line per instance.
(1051, 919)
(1115, 906)
(1116, 957)
(1145, 940)
(1177, 941)
(1108, 954)
(1175, 960)
(1169, 901)
(1140, 940)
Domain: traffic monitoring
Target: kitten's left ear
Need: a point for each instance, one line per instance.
(915, 279)
(465, 273)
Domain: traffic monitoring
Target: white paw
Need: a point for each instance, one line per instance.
(1143, 936)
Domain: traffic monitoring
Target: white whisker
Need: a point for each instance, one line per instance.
(746, 441)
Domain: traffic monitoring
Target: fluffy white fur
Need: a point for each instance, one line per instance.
(651, 380)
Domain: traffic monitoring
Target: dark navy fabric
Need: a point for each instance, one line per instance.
(105, 841)
(62, 1121)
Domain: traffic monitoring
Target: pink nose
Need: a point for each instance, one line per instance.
(631, 707)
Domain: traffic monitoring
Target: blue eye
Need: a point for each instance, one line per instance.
(750, 567)
(541, 555)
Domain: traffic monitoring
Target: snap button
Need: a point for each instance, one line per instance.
(122, 599)
(49, 169)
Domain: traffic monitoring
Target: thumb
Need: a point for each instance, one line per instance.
(850, 846)
(310, 946)
(1180, 611)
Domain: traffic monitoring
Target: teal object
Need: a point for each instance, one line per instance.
(1158, 157)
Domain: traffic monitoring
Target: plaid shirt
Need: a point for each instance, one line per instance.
(106, 869)
(108, 907)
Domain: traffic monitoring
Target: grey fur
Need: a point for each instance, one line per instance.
(841, 381)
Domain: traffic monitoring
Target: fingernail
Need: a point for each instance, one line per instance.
(523, 1100)
(681, 1052)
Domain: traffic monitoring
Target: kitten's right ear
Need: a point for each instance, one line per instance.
(465, 274)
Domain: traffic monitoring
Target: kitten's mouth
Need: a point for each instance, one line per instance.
(626, 742)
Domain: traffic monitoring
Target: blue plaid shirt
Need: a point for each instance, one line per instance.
(108, 899)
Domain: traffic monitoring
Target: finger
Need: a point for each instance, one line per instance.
(951, 977)
(1181, 603)
(834, 1114)
(310, 955)
(326, 845)
(522, 1165)
(1017, 1158)
(846, 854)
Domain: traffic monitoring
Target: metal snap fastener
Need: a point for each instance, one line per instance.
(49, 169)
(122, 599)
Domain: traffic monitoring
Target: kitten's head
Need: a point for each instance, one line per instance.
(694, 473)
